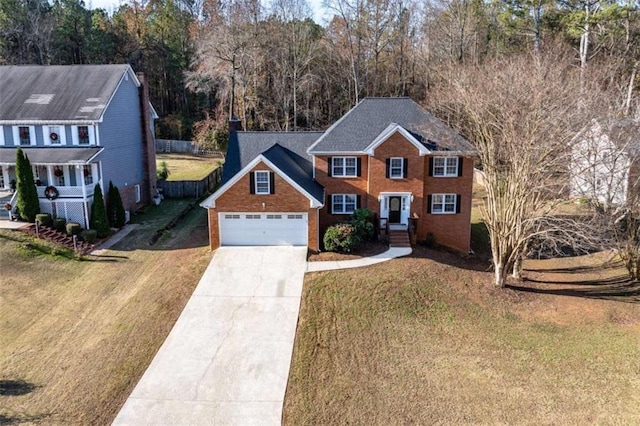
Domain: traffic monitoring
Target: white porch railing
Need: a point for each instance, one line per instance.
(68, 191)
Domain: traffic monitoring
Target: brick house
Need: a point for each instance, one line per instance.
(386, 154)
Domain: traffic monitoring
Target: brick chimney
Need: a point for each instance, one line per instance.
(148, 142)
(235, 125)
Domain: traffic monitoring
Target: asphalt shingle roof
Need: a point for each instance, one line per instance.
(57, 92)
(286, 150)
(56, 155)
(357, 129)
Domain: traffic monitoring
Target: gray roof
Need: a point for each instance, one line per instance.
(50, 155)
(33, 93)
(286, 150)
(357, 129)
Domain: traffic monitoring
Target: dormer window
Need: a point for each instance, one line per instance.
(24, 134)
(54, 135)
(83, 135)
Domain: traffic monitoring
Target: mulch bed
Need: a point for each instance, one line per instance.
(367, 250)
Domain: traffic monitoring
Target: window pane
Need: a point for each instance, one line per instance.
(25, 139)
(350, 162)
(452, 166)
(396, 162)
(83, 135)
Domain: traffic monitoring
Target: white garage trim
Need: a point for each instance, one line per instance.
(263, 228)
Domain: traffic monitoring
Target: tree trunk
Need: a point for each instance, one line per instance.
(500, 273)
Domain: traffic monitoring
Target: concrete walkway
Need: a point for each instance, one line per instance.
(226, 360)
(392, 253)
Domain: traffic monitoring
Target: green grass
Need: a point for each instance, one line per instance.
(187, 167)
(414, 341)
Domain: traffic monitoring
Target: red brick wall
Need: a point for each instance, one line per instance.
(397, 146)
(238, 199)
(352, 185)
(451, 230)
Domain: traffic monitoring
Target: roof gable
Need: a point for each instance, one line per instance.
(361, 127)
(314, 200)
(59, 93)
(284, 152)
(392, 129)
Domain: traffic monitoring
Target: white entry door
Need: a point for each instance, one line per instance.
(263, 229)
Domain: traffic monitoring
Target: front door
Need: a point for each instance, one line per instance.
(395, 204)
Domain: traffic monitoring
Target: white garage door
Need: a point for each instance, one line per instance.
(263, 229)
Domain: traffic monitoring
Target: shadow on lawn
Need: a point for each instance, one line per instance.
(16, 387)
(622, 291)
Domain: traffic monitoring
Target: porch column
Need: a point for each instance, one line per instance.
(5, 176)
(85, 208)
(67, 175)
(50, 176)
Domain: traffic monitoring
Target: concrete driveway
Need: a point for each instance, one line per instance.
(226, 360)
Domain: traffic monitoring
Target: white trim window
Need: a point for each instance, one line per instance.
(54, 135)
(83, 135)
(1, 135)
(24, 135)
(343, 203)
(344, 166)
(263, 183)
(445, 166)
(396, 168)
(443, 203)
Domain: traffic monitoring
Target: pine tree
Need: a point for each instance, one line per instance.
(99, 220)
(115, 208)
(28, 204)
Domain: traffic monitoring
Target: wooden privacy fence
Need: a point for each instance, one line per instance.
(185, 147)
(191, 188)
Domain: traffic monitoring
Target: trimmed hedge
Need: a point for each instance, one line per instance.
(60, 224)
(43, 219)
(89, 235)
(73, 228)
(341, 237)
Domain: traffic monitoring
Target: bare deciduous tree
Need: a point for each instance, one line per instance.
(521, 113)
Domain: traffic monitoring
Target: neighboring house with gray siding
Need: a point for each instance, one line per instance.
(79, 125)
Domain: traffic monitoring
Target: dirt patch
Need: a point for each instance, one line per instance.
(367, 250)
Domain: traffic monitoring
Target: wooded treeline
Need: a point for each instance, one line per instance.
(273, 67)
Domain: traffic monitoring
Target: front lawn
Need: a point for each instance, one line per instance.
(187, 167)
(75, 336)
(428, 340)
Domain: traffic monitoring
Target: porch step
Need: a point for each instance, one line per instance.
(399, 239)
(58, 238)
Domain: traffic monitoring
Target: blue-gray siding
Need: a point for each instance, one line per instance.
(121, 135)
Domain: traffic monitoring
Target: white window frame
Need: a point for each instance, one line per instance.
(59, 130)
(342, 168)
(75, 137)
(341, 200)
(16, 135)
(447, 163)
(396, 168)
(439, 203)
(1, 136)
(257, 181)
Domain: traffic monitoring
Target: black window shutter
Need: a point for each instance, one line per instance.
(430, 166)
(329, 203)
(388, 168)
(358, 166)
(272, 180)
(429, 203)
(358, 201)
(252, 183)
(458, 203)
(459, 166)
(329, 166)
(405, 166)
